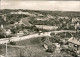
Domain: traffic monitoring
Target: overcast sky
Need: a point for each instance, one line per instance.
(41, 5)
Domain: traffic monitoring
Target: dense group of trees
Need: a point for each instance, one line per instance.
(46, 22)
(12, 18)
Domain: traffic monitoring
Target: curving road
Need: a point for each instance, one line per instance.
(7, 40)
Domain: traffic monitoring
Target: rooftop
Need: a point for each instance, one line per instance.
(74, 41)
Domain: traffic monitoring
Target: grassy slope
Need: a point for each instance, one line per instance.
(33, 48)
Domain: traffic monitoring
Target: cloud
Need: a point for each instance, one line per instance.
(41, 5)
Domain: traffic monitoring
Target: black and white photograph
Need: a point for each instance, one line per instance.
(46, 28)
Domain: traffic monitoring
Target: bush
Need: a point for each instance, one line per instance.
(43, 39)
(2, 35)
(52, 34)
(14, 30)
(51, 48)
(13, 43)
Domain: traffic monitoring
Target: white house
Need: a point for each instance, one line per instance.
(20, 34)
(77, 26)
(75, 20)
(74, 44)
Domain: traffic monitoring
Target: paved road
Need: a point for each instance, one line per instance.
(6, 40)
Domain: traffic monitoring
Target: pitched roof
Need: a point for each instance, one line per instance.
(47, 42)
(74, 41)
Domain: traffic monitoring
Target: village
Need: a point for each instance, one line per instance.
(56, 33)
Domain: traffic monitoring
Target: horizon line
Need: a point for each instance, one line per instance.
(41, 10)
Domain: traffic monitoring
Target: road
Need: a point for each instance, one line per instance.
(7, 40)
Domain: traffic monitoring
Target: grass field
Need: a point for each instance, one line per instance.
(32, 48)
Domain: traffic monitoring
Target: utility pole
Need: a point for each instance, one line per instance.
(6, 42)
(6, 49)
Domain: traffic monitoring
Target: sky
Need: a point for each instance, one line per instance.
(41, 5)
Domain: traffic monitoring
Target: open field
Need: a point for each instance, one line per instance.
(32, 48)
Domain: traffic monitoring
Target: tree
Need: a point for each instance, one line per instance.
(13, 43)
(2, 35)
(43, 39)
(51, 48)
(14, 30)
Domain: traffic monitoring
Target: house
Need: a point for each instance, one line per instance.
(7, 31)
(61, 17)
(66, 17)
(20, 34)
(57, 50)
(77, 25)
(49, 16)
(75, 20)
(46, 27)
(40, 15)
(4, 17)
(40, 19)
(49, 45)
(74, 44)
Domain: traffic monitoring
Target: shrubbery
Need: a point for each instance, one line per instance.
(13, 43)
(51, 48)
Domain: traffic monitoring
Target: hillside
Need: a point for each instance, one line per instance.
(25, 21)
(31, 48)
(69, 13)
(59, 19)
